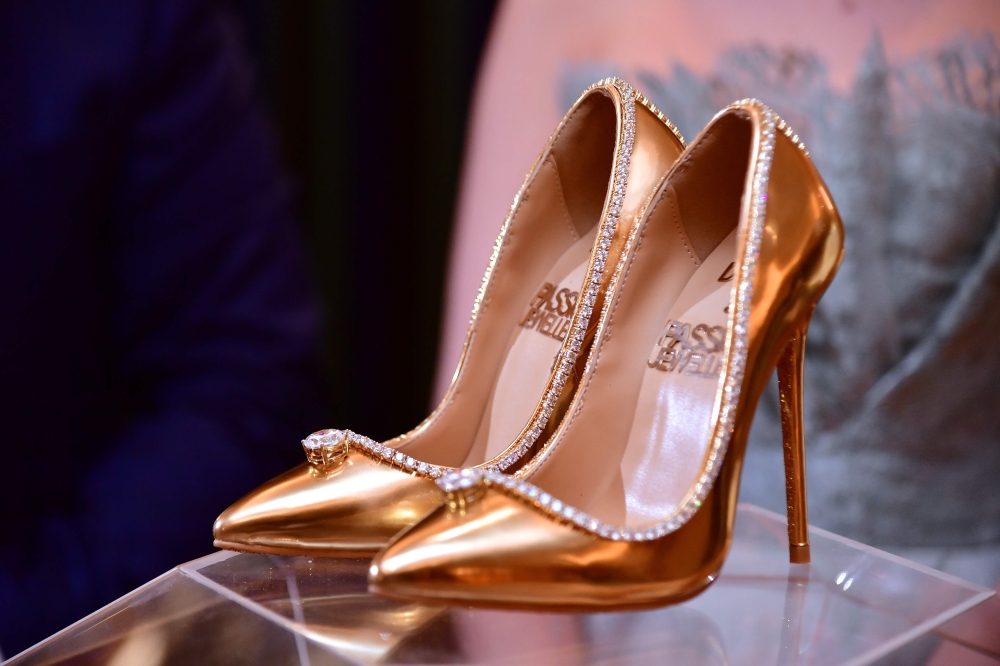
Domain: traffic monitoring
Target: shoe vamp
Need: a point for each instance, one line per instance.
(504, 552)
(360, 502)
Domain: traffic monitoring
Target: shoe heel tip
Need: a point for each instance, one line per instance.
(799, 554)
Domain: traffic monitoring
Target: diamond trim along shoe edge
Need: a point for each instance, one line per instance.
(394, 457)
(567, 356)
(733, 371)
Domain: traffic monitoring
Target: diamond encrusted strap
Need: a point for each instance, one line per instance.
(566, 359)
(737, 343)
(326, 447)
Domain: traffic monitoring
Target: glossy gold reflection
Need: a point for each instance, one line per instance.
(351, 511)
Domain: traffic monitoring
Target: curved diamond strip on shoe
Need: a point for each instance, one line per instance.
(319, 441)
(734, 355)
(469, 479)
(646, 102)
(567, 356)
(737, 340)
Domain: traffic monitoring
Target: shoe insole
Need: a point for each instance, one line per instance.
(672, 422)
(543, 326)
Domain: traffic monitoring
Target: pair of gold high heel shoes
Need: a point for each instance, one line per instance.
(645, 291)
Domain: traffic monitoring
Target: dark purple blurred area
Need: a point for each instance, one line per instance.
(222, 226)
(370, 101)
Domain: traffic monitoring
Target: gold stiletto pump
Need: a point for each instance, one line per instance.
(631, 502)
(528, 334)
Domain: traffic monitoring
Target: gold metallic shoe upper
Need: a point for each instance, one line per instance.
(501, 551)
(528, 340)
(360, 500)
(606, 525)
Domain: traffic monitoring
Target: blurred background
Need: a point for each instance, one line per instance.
(226, 224)
(369, 101)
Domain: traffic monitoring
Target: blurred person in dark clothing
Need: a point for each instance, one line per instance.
(158, 334)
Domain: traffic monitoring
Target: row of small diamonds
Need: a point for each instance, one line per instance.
(526, 492)
(740, 305)
(567, 356)
(639, 98)
(396, 458)
(646, 102)
(630, 95)
(790, 133)
(494, 257)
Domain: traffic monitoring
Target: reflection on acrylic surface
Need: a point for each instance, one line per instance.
(852, 604)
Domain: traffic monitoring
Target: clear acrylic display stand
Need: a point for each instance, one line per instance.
(852, 605)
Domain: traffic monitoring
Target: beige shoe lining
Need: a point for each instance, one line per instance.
(549, 236)
(632, 449)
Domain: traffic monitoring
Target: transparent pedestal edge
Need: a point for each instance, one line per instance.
(299, 629)
(919, 630)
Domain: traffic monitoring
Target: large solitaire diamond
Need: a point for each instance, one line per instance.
(325, 447)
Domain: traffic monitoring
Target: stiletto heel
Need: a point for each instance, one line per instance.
(790, 368)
